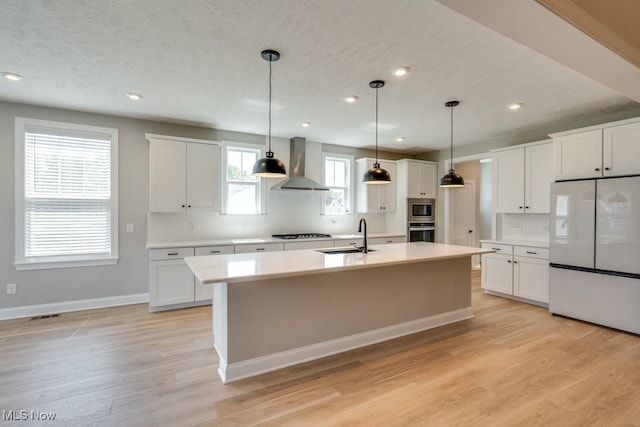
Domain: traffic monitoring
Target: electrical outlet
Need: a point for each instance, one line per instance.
(11, 288)
(130, 228)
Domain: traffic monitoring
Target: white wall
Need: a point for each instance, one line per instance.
(287, 212)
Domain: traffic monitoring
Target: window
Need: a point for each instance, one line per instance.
(66, 195)
(241, 188)
(337, 176)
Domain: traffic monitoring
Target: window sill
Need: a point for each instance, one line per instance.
(45, 265)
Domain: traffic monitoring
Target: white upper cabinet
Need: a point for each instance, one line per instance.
(621, 150)
(606, 150)
(521, 178)
(421, 178)
(379, 198)
(578, 155)
(183, 175)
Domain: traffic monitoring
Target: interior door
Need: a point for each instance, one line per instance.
(464, 217)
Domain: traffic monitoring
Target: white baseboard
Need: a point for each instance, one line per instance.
(67, 306)
(248, 368)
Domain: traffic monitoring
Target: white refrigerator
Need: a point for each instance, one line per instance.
(594, 248)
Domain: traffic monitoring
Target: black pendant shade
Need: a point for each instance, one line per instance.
(376, 175)
(269, 166)
(452, 179)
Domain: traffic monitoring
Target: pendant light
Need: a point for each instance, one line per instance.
(376, 175)
(269, 166)
(452, 179)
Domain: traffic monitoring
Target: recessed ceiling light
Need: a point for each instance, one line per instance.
(515, 106)
(400, 71)
(306, 124)
(134, 96)
(12, 76)
(351, 99)
(400, 139)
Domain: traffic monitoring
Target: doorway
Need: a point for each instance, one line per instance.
(468, 216)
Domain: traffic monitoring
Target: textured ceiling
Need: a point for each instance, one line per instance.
(198, 62)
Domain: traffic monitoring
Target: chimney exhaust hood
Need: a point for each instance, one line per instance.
(297, 180)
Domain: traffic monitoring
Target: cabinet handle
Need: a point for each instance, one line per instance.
(172, 254)
(532, 253)
(389, 241)
(597, 169)
(259, 249)
(607, 168)
(188, 206)
(515, 262)
(509, 261)
(183, 206)
(215, 252)
(519, 207)
(496, 249)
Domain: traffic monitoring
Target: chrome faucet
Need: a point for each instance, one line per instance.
(364, 247)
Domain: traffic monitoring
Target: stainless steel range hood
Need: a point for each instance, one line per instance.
(297, 180)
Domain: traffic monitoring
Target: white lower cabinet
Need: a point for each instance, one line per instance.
(520, 271)
(170, 279)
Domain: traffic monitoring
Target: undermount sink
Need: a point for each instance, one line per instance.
(342, 250)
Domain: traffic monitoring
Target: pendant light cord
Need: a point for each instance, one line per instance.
(377, 164)
(451, 168)
(270, 105)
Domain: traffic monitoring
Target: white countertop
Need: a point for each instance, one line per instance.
(532, 243)
(251, 240)
(234, 268)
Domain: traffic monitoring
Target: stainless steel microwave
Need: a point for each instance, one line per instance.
(423, 210)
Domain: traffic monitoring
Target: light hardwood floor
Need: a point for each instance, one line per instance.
(512, 365)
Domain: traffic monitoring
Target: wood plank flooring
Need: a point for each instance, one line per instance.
(512, 365)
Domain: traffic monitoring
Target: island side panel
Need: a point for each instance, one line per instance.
(266, 317)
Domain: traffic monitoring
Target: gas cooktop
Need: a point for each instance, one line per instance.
(300, 236)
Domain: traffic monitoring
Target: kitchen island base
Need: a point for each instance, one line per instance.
(270, 323)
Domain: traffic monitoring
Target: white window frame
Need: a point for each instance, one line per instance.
(63, 261)
(260, 199)
(350, 180)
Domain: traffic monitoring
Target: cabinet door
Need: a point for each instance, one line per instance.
(167, 175)
(421, 180)
(497, 273)
(170, 282)
(531, 278)
(202, 174)
(414, 184)
(387, 196)
(578, 155)
(376, 197)
(621, 150)
(538, 178)
(204, 291)
(508, 181)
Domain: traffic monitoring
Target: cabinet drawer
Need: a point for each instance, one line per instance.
(385, 240)
(214, 250)
(531, 252)
(260, 247)
(288, 246)
(500, 248)
(169, 253)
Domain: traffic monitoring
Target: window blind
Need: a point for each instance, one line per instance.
(67, 209)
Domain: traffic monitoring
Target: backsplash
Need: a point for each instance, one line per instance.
(523, 227)
(288, 212)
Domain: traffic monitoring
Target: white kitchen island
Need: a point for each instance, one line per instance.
(276, 309)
